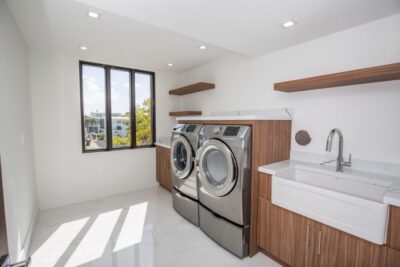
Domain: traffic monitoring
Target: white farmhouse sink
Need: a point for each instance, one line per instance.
(347, 202)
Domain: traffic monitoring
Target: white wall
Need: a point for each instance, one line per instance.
(64, 174)
(368, 114)
(15, 119)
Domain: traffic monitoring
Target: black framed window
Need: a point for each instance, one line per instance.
(117, 107)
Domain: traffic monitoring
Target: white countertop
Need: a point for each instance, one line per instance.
(266, 114)
(391, 197)
(164, 141)
(234, 117)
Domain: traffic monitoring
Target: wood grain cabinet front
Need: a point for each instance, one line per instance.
(298, 241)
(276, 232)
(163, 167)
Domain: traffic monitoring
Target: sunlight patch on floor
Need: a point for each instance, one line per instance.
(132, 228)
(59, 241)
(96, 240)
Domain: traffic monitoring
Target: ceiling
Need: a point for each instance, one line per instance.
(251, 27)
(152, 33)
(63, 25)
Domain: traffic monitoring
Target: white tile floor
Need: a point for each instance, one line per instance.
(139, 229)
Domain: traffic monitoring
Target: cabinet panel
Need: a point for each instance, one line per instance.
(163, 168)
(303, 235)
(393, 235)
(356, 252)
(159, 165)
(275, 230)
(391, 257)
(167, 173)
(264, 185)
(325, 247)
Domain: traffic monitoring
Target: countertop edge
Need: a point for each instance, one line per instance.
(163, 145)
(228, 118)
(389, 198)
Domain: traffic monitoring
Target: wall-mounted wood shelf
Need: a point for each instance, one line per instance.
(192, 88)
(184, 113)
(367, 75)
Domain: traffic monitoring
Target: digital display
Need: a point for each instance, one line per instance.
(231, 131)
(190, 128)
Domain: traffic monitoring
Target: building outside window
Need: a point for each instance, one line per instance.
(109, 120)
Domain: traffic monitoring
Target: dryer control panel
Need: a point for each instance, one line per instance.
(231, 131)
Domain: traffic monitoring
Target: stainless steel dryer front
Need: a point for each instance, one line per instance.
(224, 173)
(185, 142)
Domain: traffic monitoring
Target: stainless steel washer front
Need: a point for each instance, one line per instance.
(217, 168)
(181, 157)
(185, 142)
(224, 172)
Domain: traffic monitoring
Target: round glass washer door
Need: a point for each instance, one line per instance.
(217, 168)
(181, 157)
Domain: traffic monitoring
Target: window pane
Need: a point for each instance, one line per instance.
(94, 107)
(120, 108)
(143, 109)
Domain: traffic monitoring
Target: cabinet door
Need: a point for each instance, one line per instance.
(326, 242)
(159, 163)
(393, 233)
(275, 231)
(316, 244)
(303, 240)
(391, 257)
(167, 173)
(356, 252)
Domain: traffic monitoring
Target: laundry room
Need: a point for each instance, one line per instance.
(200, 133)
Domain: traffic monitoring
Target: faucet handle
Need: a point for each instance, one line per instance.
(347, 163)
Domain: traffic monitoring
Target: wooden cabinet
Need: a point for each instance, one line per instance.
(325, 243)
(393, 235)
(163, 167)
(299, 241)
(303, 239)
(276, 235)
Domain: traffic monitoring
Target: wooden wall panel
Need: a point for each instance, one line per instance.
(276, 231)
(271, 143)
(264, 185)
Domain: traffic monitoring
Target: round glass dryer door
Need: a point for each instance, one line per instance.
(181, 157)
(217, 168)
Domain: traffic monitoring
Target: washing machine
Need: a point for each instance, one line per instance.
(185, 142)
(224, 174)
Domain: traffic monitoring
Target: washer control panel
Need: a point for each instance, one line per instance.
(190, 128)
(231, 131)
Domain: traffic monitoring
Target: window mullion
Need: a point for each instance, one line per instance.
(153, 109)
(108, 109)
(133, 110)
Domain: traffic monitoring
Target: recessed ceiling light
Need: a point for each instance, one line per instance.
(84, 48)
(170, 64)
(288, 24)
(93, 14)
(203, 47)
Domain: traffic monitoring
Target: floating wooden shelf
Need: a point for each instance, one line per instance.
(367, 75)
(184, 113)
(192, 88)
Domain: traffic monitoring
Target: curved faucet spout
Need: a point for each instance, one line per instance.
(340, 161)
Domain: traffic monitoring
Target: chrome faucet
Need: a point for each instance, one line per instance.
(339, 162)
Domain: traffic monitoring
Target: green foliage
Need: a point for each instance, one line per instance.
(143, 123)
(120, 142)
(90, 121)
(143, 127)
